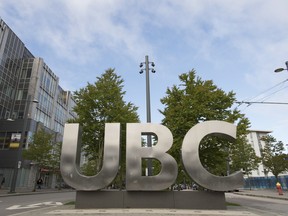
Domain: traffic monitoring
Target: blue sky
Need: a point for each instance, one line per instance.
(237, 44)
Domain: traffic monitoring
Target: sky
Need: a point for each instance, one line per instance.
(237, 44)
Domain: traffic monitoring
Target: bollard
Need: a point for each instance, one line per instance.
(279, 188)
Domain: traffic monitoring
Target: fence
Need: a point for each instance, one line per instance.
(268, 182)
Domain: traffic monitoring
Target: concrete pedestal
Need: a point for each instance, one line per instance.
(151, 199)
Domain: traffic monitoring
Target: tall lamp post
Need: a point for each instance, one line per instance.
(281, 69)
(21, 142)
(148, 106)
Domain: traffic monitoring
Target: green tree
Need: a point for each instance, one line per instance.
(40, 151)
(99, 103)
(55, 161)
(89, 168)
(40, 148)
(244, 157)
(242, 153)
(194, 101)
(273, 157)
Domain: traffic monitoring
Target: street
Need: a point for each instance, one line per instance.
(11, 205)
(258, 205)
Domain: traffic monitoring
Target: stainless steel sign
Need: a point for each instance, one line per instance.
(135, 153)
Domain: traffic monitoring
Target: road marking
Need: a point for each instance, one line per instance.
(34, 210)
(36, 205)
(14, 207)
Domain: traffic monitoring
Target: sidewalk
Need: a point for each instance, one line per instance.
(24, 191)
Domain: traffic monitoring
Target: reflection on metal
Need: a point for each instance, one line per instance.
(135, 153)
(191, 160)
(70, 158)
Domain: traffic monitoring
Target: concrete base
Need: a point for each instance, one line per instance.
(151, 199)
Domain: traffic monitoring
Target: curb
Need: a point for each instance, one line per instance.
(259, 195)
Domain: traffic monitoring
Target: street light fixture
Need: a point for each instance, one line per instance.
(21, 142)
(281, 69)
(148, 107)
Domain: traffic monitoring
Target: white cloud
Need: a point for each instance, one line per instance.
(237, 44)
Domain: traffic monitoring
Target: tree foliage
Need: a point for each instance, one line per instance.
(195, 100)
(273, 157)
(89, 168)
(45, 152)
(40, 149)
(55, 156)
(244, 157)
(99, 103)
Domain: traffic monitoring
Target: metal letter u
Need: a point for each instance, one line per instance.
(70, 158)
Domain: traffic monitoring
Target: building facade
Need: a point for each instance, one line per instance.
(254, 139)
(30, 98)
(260, 178)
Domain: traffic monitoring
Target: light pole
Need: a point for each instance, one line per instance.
(148, 106)
(281, 69)
(21, 142)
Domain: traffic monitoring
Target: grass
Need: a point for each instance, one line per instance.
(232, 204)
(70, 203)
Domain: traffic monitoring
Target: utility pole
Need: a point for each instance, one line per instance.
(148, 105)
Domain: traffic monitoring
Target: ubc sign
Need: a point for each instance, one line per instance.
(70, 157)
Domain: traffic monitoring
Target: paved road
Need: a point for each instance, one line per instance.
(11, 205)
(259, 205)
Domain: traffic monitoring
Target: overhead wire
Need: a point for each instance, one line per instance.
(281, 83)
(265, 97)
(273, 93)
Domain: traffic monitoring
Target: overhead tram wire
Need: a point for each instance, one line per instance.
(281, 83)
(261, 100)
(268, 96)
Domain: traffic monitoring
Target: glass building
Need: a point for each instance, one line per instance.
(30, 98)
